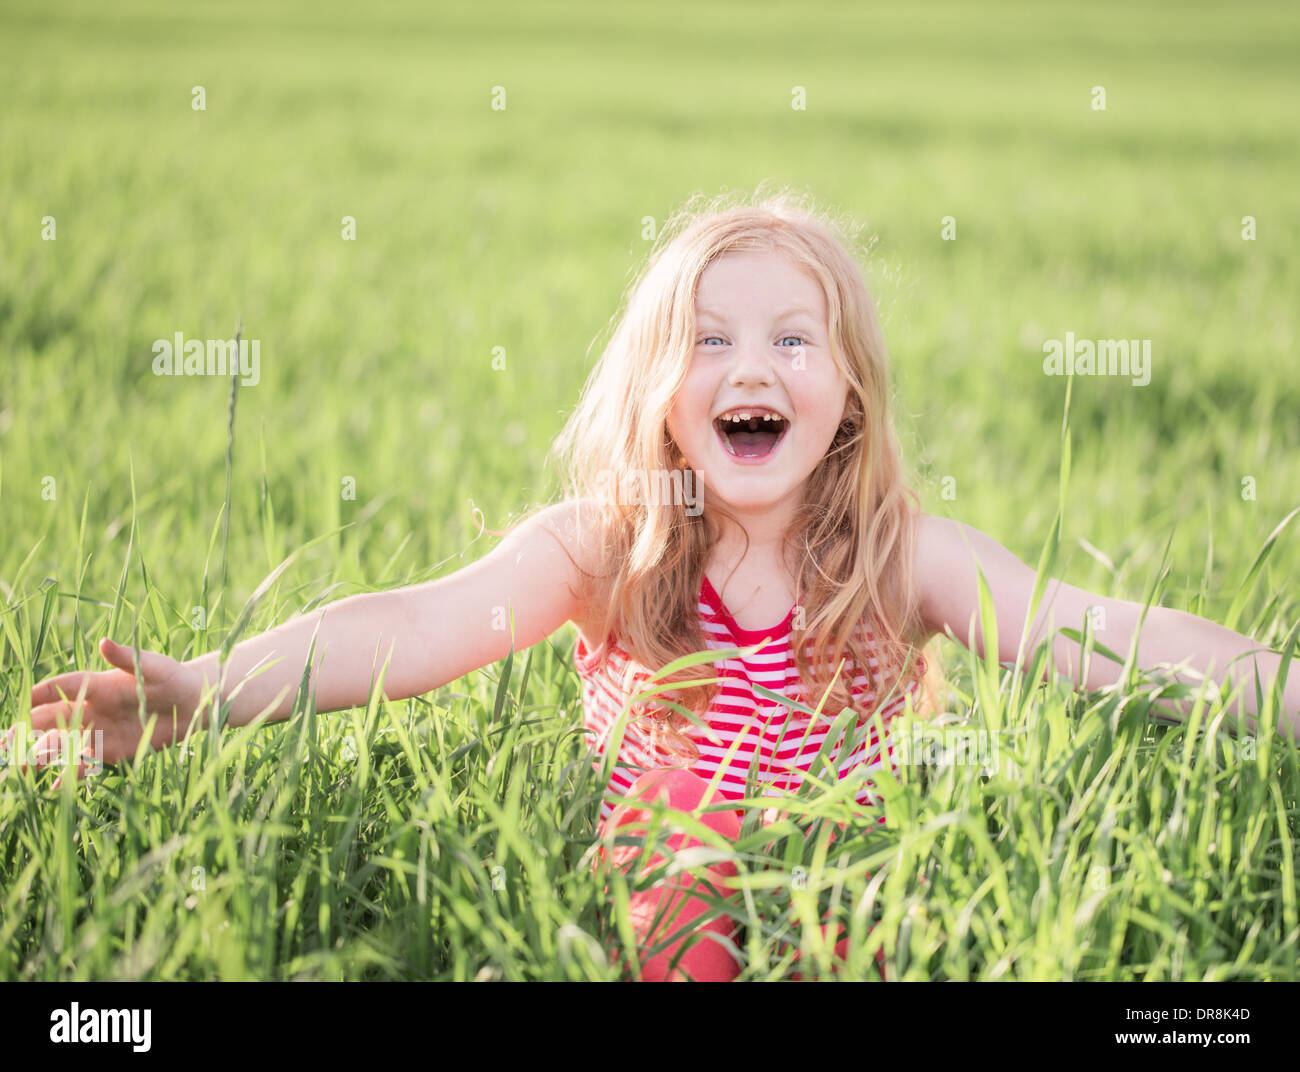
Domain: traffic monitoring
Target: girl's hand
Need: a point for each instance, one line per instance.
(110, 720)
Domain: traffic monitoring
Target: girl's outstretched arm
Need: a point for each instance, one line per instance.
(429, 634)
(945, 561)
(436, 632)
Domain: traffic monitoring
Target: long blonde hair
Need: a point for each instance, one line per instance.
(854, 533)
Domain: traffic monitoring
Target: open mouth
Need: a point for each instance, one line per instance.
(750, 433)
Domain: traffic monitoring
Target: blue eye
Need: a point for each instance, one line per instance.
(799, 339)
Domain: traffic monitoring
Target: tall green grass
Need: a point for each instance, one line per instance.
(452, 837)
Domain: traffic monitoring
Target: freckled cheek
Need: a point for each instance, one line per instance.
(683, 428)
(816, 402)
(691, 415)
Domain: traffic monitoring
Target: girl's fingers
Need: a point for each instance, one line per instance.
(48, 747)
(153, 665)
(48, 691)
(121, 657)
(79, 771)
(47, 716)
(52, 747)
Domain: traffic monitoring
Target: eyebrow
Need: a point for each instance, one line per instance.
(793, 311)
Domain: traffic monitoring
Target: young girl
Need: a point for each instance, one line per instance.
(732, 482)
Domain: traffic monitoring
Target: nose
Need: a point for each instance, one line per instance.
(751, 364)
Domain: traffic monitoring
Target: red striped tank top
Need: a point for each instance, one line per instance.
(786, 746)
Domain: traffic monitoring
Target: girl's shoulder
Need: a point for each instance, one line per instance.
(938, 541)
(576, 524)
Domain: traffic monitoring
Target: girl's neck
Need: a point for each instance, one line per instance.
(761, 570)
(757, 592)
(757, 541)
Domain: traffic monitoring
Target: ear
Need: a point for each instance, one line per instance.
(847, 411)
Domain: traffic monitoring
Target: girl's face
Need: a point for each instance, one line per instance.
(762, 347)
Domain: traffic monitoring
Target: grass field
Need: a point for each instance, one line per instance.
(446, 837)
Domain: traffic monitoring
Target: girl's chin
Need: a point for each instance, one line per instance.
(745, 494)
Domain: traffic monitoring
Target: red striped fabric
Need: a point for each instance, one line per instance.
(786, 746)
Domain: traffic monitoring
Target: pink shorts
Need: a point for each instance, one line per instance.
(674, 899)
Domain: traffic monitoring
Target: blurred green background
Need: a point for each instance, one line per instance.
(519, 228)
